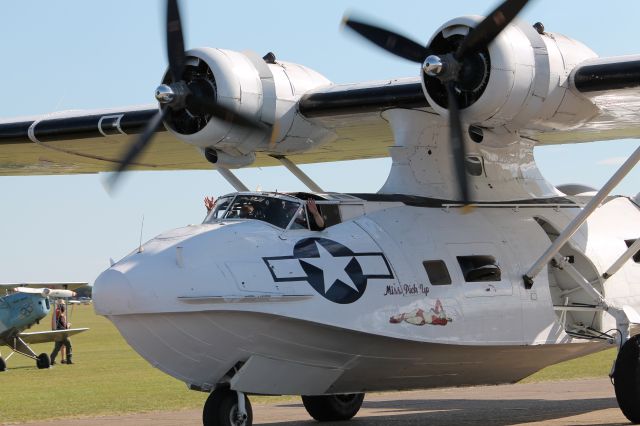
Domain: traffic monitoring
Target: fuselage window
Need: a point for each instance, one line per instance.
(636, 256)
(437, 272)
(479, 268)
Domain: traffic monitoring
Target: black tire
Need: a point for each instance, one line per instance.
(626, 379)
(43, 361)
(331, 408)
(3, 365)
(221, 408)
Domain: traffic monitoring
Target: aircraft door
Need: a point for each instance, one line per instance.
(388, 245)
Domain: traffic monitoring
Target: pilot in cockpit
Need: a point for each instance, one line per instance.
(254, 208)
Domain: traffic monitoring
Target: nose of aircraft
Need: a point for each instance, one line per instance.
(112, 293)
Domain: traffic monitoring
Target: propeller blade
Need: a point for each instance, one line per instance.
(175, 41)
(457, 143)
(487, 30)
(136, 148)
(223, 113)
(389, 41)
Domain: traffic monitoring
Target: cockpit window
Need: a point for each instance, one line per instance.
(276, 211)
(300, 221)
(219, 209)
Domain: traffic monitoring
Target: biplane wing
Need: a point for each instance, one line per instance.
(54, 285)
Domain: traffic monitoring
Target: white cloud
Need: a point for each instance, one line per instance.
(612, 161)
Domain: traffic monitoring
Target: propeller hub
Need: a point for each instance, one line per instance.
(165, 94)
(433, 66)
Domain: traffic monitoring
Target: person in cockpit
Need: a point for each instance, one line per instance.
(312, 208)
(250, 211)
(209, 203)
(247, 211)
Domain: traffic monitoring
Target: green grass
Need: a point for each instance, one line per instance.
(108, 378)
(594, 365)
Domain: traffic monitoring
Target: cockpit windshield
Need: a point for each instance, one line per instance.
(219, 209)
(276, 211)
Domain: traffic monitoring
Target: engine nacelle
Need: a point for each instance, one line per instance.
(245, 83)
(519, 80)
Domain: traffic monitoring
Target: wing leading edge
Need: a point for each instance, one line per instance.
(92, 141)
(76, 142)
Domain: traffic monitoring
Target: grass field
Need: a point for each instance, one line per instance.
(108, 377)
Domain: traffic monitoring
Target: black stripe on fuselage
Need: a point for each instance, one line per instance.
(55, 129)
(363, 100)
(417, 201)
(611, 76)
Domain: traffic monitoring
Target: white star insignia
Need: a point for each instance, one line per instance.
(333, 268)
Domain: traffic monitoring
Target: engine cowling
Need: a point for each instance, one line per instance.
(245, 83)
(520, 79)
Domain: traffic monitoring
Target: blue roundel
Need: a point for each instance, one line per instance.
(332, 269)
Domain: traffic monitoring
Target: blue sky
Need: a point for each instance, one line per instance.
(79, 54)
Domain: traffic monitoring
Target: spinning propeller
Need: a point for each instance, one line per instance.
(456, 70)
(178, 94)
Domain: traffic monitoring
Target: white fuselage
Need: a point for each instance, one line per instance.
(353, 308)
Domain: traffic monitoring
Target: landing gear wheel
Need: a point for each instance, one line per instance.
(43, 361)
(221, 409)
(3, 365)
(626, 379)
(329, 408)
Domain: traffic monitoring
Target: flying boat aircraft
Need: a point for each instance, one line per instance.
(27, 304)
(466, 268)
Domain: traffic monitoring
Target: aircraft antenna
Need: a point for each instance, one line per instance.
(140, 250)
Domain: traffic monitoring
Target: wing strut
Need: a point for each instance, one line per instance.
(20, 347)
(232, 179)
(633, 249)
(297, 172)
(573, 226)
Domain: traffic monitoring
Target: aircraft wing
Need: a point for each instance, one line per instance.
(49, 336)
(54, 285)
(75, 142)
(92, 141)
